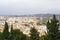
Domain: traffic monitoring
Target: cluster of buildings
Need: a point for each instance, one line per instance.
(23, 23)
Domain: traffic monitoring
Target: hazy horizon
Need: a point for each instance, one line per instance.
(23, 7)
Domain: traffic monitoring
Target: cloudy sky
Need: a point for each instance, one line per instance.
(22, 7)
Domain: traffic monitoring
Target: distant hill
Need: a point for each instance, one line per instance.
(45, 15)
(37, 15)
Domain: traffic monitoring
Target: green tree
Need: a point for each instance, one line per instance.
(34, 35)
(5, 33)
(11, 33)
(0, 34)
(17, 35)
(52, 28)
(11, 28)
(58, 37)
(42, 37)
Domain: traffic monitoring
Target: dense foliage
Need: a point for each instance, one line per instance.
(53, 31)
(34, 34)
(15, 34)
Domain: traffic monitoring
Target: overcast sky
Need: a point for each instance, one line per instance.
(22, 7)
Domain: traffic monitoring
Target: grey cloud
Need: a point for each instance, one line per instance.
(19, 7)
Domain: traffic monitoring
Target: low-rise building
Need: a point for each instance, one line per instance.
(24, 24)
